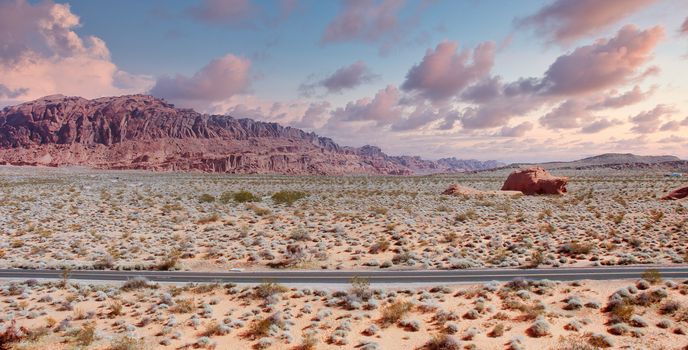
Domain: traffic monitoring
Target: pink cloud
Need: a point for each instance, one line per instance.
(599, 125)
(223, 11)
(649, 121)
(423, 115)
(367, 20)
(41, 54)
(316, 114)
(219, 79)
(344, 78)
(568, 115)
(684, 27)
(383, 108)
(516, 131)
(499, 111)
(564, 21)
(444, 72)
(604, 64)
(240, 13)
(628, 98)
(483, 91)
(574, 81)
(348, 77)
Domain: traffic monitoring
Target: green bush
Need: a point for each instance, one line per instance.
(239, 197)
(206, 198)
(245, 196)
(288, 197)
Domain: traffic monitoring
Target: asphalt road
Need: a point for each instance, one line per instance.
(334, 277)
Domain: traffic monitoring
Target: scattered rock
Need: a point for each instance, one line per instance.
(535, 180)
(676, 194)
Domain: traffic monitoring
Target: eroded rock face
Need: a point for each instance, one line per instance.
(680, 193)
(535, 180)
(143, 132)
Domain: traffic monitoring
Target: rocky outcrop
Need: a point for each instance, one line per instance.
(143, 132)
(680, 193)
(535, 180)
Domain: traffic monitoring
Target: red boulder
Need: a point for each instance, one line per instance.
(677, 194)
(535, 181)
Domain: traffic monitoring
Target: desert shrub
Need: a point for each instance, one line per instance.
(576, 248)
(206, 198)
(11, 335)
(204, 288)
(360, 287)
(288, 197)
(169, 262)
(378, 210)
(115, 308)
(182, 306)
(37, 333)
(299, 235)
(127, 342)
(261, 327)
(497, 331)
(401, 257)
(258, 210)
(214, 328)
(530, 311)
(670, 307)
(618, 329)
(135, 283)
(380, 246)
(600, 340)
(308, 341)
(652, 275)
(637, 321)
(208, 219)
(268, 289)
(621, 311)
(465, 216)
(244, 197)
(536, 259)
(649, 298)
(86, 334)
(442, 342)
(394, 312)
(539, 328)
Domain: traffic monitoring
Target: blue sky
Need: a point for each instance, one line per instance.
(507, 80)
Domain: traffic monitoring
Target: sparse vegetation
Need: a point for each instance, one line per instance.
(394, 312)
(288, 197)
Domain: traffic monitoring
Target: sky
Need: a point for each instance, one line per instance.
(529, 80)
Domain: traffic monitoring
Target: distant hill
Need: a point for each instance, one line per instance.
(144, 132)
(618, 161)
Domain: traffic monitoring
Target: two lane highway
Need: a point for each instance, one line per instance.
(374, 276)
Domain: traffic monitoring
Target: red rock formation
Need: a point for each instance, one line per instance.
(535, 181)
(143, 132)
(677, 194)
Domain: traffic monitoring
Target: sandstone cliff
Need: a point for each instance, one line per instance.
(143, 132)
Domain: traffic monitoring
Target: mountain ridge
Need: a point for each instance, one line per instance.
(144, 132)
(617, 161)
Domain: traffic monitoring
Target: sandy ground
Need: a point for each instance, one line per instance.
(81, 218)
(223, 316)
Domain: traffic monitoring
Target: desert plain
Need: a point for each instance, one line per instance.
(78, 218)
(74, 218)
